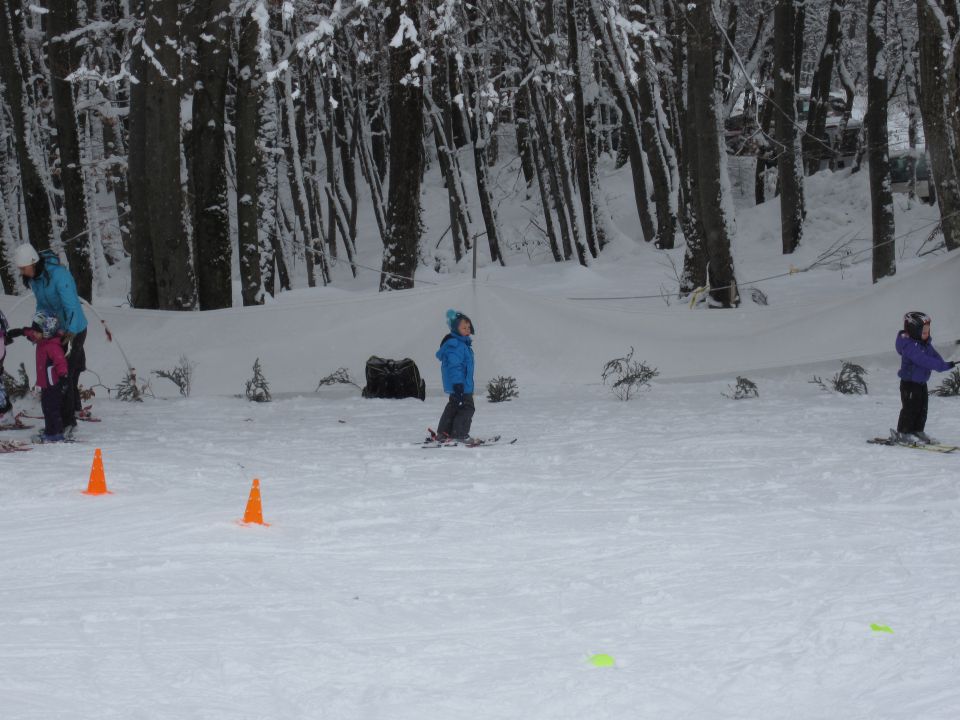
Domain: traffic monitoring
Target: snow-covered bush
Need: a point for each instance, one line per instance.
(849, 381)
(502, 389)
(627, 376)
(258, 390)
(742, 390)
(340, 376)
(130, 390)
(16, 388)
(181, 375)
(950, 387)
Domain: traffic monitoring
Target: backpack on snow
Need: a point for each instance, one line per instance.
(393, 379)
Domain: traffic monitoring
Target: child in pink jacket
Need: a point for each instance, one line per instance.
(51, 371)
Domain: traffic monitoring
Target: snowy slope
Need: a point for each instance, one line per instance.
(533, 337)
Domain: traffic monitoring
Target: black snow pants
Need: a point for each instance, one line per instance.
(51, 400)
(76, 364)
(913, 415)
(456, 419)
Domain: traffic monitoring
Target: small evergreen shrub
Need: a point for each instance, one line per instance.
(181, 375)
(17, 387)
(627, 376)
(742, 390)
(340, 376)
(130, 390)
(950, 387)
(502, 389)
(849, 381)
(258, 389)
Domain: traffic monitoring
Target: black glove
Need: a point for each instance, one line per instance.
(15, 333)
(952, 364)
(457, 396)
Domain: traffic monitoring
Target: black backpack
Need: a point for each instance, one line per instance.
(393, 379)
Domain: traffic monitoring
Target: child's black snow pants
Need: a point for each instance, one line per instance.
(51, 400)
(456, 419)
(913, 415)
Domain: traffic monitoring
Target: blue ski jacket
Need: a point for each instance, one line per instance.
(456, 362)
(918, 359)
(56, 294)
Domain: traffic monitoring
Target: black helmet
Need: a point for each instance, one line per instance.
(913, 323)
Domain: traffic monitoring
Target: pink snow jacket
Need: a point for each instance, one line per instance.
(51, 360)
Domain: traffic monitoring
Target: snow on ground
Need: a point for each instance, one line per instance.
(730, 555)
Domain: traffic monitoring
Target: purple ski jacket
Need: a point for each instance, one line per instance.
(918, 359)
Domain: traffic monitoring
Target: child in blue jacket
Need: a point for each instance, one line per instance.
(456, 366)
(918, 360)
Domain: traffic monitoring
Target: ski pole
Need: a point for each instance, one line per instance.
(109, 335)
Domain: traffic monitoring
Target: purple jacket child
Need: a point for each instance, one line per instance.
(918, 359)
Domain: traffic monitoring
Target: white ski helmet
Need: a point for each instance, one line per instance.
(25, 255)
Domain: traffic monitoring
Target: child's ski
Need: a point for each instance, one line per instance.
(17, 424)
(8, 446)
(932, 447)
(87, 415)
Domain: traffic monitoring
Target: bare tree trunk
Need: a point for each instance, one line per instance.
(790, 165)
(209, 172)
(521, 121)
(765, 156)
(61, 20)
(716, 203)
(726, 76)
(35, 198)
(630, 123)
(908, 53)
(171, 252)
(581, 152)
(143, 279)
(402, 239)
(249, 161)
(446, 155)
(660, 158)
(820, 90)
(474, 82)
(881, 197)
(939, 96)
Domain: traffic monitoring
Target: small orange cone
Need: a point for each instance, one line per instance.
(254, 513)
(98, 482)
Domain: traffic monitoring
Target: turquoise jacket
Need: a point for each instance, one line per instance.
(56, 294)
(456, 362)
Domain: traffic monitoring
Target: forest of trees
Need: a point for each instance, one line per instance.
(197, 136)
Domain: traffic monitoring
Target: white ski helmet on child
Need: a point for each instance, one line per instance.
(45, 323)
(25, 255)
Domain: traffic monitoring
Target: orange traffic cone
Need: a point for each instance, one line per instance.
(254, 513)
(98, 482)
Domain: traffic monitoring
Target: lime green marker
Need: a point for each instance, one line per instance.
(602, 660)
(881, 628)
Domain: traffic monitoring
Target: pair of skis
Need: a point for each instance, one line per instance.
(9, 446)
(436, 441)
(893, 441)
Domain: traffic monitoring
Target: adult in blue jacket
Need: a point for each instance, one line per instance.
(456, 367)
(918, 359)
(56, 293)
